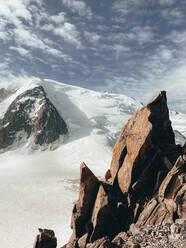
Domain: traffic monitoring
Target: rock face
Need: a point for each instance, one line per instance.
(170, 202)
(46, 239)
(81, 213)
(138, 146)
(146, 185)
(31, 113)
(102, 214)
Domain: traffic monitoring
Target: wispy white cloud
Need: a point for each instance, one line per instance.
(21, 20)
(4, 33)
(165, 53)
(79, 7)
(142, 34)
(58, 19)
(120, 50)
(22, 51)
(177, 37)
(173, 16)
(127, 6)
(92, 37)
(69, 33)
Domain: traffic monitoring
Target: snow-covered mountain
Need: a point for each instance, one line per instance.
(38, 188)
(31, 116)
(84, 111)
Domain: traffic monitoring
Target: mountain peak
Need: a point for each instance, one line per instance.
(31, 113)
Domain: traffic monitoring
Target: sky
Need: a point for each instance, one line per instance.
(132, 47)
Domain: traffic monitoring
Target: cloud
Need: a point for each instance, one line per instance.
(173, 16)
(127, 6)
(167, 2)
(58, 19)
(142, 34)
(48, 27)
(57, 53)
(13, 10)
(165, 53)
(177, 37)
(25, 37)
(4, 34)
(22, 51)
(120, 50)
(92, 37)
(69, 33)
(79, 7)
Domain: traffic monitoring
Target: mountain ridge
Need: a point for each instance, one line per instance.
(82, 109)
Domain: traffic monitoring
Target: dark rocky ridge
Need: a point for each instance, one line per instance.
(145, 185)
(31, 113)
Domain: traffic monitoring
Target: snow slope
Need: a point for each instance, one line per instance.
(38, 188)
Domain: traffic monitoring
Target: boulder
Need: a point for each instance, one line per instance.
(46, 239)
(88, 189)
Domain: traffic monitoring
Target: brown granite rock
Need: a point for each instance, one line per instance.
(120, 239)
(172, 183)
(88, 189)
(163, 212)
(103, 242)
(139, 131)
(131, 244)
(102, 215)
(119, 153)
(140, 139)
(146, 185)
(46, 239)
(171, 200)
(82, 242)
(107, 175)
(181, 202)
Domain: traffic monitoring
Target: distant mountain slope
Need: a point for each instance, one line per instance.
(84, 111)
(87, 111)
(31, 115)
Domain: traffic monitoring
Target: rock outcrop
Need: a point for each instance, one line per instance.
(31, 113)
(81, 213)
(170, 202)
(46, 239)
(140, 142)
(145, 185)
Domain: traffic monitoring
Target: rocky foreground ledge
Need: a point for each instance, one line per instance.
(145, 185)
